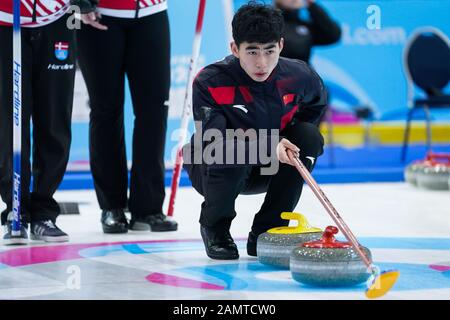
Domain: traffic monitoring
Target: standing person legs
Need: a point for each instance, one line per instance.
(101, 58)
(148, 69)
(53, 87)
(47, 97)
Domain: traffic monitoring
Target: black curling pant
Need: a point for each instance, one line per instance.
(47, 98)
(220, 187)
(140, 50)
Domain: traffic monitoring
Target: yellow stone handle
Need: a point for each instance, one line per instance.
(302, 226)
(302, 223)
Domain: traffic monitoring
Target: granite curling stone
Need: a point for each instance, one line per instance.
(328, 262)
(434, 177)
(275, 246)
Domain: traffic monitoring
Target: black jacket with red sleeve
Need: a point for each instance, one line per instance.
(225, 97)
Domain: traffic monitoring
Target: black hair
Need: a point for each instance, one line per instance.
(255, 22)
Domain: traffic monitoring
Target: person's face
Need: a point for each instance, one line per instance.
(258, 59)
(290, 4)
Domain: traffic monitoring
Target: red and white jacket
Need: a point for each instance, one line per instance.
(131, 8)
(34, 13)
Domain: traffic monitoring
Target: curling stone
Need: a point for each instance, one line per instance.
(434, 177)
(328, 262)
(431, 173)
(274, 247)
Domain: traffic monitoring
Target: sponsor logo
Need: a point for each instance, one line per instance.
(312, 159)
(60, 66)
(16, 197)
(241, 107)
(17, 94)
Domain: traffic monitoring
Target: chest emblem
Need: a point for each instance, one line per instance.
(241, 107)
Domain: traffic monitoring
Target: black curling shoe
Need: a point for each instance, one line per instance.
(154, 222)
(114, 221)
(251, 244)
(219, 245)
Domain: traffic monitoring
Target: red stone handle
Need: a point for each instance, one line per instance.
(328, 240)
(437, 158)
(328, 235)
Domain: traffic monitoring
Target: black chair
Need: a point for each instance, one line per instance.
(426, 62)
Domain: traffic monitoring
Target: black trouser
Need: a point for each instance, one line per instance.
(47, 97)
(139, 49)
(220, 187)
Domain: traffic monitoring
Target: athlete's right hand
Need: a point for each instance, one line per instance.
(282, 149)
(91, 19)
